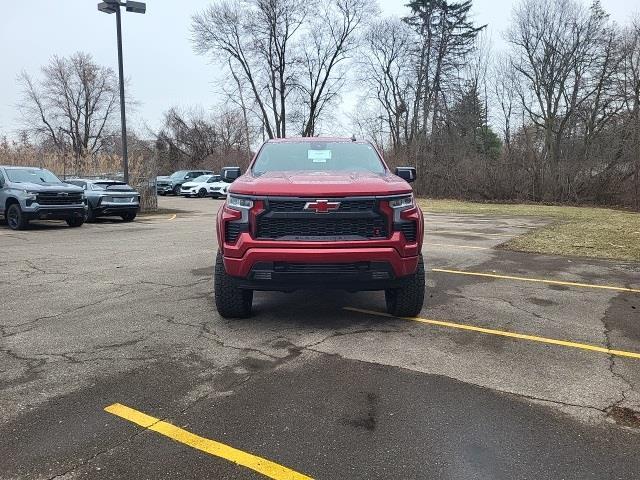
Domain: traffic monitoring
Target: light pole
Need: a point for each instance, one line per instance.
(113, 6)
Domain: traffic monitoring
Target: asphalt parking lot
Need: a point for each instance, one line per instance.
(115, 364)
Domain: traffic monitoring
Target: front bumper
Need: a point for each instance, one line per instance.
(116, 209)
(370, 263)
(164, 188)
(54, 213)
(351, 276)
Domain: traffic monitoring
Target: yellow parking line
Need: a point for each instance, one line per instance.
(173, 217)
(457, 246)
(539, 280)
(502, 333)
(258, 464)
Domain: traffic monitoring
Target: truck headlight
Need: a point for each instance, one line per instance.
(239, 203)
(29, 195)
(401, 203)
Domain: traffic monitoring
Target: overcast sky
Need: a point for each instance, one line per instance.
(158, 58)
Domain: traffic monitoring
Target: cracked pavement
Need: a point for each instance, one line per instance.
(124, 313)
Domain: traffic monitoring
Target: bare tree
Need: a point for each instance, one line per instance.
(504, 93)
(629, 88)
(71, 105)
(556, 51)
(255, 38)
(191, 139)
(291, 62)
(329, 40)
(386, 69)
(447, 35)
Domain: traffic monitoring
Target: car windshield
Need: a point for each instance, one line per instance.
(178, 175)
(201, 179)
(318, 156)
(32, 175)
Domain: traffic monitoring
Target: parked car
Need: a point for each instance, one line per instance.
(319, 212)
(198, 187)
(173, 182)
(109, 198)
(219, 188)
(29, 193)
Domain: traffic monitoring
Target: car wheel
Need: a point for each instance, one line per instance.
(91, 215)
(75, 221)
(231, 301)
(176, 190)
(129, 217)
(407, 300)
(162, 194)
(202, 193)
(15, 217)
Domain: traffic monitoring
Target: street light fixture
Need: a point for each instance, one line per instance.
(113, 6)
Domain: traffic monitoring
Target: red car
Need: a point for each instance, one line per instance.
(319, 212)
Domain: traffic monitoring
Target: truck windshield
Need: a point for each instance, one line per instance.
(179, 175)
(32, 175)
(318, 156)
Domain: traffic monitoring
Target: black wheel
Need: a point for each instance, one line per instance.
(162, 194)
(15, 217)
(202, 193)
(176, 190)
(407, 301)
(129, 217)
(91, 215)
(231, 301)
(75, 221)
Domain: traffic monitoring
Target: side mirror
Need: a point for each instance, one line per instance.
(406, 173)
(229, 174)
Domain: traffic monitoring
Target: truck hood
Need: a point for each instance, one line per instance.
(319, 184)
(49, 187)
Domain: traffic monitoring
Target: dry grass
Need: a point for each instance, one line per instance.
(576, 231)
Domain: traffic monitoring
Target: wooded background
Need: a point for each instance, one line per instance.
(552, 117)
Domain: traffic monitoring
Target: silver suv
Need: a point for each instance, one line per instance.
(28, 193)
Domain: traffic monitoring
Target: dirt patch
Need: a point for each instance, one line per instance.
(542, 302)
(625, 416)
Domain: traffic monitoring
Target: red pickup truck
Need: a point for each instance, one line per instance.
(319, 212)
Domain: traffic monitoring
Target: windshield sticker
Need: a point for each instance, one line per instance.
(319, 156)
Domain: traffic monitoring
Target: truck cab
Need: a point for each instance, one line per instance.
(319, 212)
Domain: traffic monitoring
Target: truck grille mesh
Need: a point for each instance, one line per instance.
(55, 198)
(298, 205)
(274, 228)
(354, 219)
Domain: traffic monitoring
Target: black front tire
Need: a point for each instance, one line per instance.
(231, 301)
(176, 190)
(91, 215)
(407, 301)
(15, 218)
(75, 222)
(129, 217)
(202, 193)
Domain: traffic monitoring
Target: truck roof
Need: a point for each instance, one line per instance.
(314, 139)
